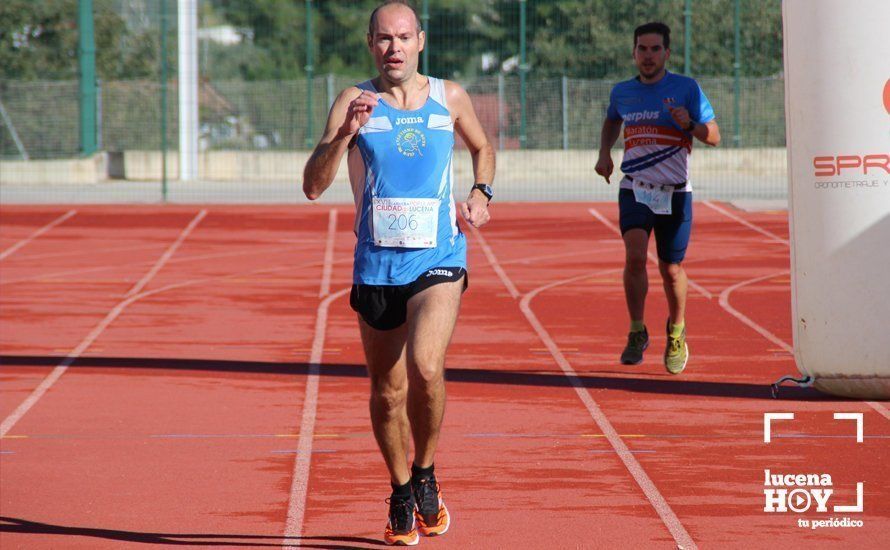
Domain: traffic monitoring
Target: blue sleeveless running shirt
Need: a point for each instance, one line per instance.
(404, 155)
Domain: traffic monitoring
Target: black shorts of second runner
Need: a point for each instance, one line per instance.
(671, 230)
(385, 307)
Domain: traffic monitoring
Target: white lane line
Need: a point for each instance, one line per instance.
(299, 489)
(765, 333)
(69, 253)
(137, 288)
(133, 248)
(658, 502)
(530, 259)
(724, 303)
(296, 507)
(197, 258)
(174, 286)
(325, 288)
(493, 262)
(59, 370)
(242, 274)
(9, 251)
(882, 410)
(667, 515)
(698, 288)
(746, 223)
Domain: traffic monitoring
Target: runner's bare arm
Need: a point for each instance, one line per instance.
(475, 209)
(707, 133)
(351, 111)
(608, 136)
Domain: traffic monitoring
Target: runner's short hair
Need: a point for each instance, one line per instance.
(372, 22)
(655, 27)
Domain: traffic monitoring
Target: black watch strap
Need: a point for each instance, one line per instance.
(486, 190)
(691, 126)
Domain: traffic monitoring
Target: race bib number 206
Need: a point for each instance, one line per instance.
(405, 223)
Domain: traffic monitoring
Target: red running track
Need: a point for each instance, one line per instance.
(193, 375)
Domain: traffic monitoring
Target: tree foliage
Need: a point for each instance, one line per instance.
(466, 38)
(39, 40)
(576, 38)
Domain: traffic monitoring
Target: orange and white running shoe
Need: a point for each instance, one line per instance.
(401, 529)
(432, 515)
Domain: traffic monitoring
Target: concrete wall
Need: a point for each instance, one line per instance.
(42, 172)
(514, 167)
(147, 165)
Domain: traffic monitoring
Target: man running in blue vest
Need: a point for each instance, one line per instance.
(410, 269)
(661, 112)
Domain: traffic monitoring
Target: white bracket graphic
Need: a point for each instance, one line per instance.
(768, 418)
(858, 418)
(858, 507)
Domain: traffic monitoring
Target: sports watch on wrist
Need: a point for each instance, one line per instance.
(486, 190)
(691, 126)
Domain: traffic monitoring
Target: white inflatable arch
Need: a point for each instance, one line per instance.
(837, 114)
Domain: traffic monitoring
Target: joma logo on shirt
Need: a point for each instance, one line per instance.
(409, 120)
(641, 115)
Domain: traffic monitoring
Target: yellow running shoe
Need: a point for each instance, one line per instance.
(676, 354)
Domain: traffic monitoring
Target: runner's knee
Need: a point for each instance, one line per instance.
(389, 397)
(635, 261)
(670, 271)
(427, 372)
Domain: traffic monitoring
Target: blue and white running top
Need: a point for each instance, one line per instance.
(401, 175)
(655, 148)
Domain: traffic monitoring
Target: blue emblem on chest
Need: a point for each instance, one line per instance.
(411, 141)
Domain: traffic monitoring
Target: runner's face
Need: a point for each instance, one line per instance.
(650, 55)
(396, 44)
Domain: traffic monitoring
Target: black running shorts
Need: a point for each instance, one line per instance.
(385, 307)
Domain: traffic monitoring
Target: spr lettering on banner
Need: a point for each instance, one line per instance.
(871, 164)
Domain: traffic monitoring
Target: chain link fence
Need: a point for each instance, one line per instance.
(539, 74)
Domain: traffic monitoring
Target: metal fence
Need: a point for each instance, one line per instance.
(539, 74)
